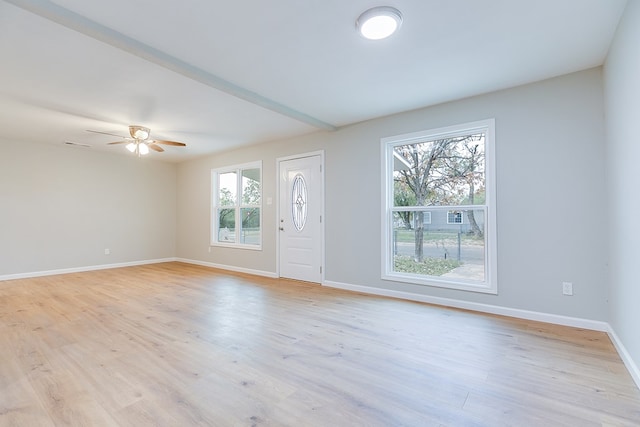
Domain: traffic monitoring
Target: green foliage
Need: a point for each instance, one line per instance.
(403, 196)
(227, 218)
(226, 197)
(250, 192)
(478, 198)
(428, 266)
(250, 217)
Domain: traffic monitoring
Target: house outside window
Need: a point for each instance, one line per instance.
(236, 214)
(438, 213)
(454, 217)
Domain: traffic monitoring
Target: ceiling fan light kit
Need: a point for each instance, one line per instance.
(138, 147)
(139, 142)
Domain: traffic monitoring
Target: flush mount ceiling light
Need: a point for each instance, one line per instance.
(379, 22)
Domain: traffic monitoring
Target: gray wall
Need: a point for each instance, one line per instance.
(550, 178)
(622, 84)
(560, 218)
(60, 207)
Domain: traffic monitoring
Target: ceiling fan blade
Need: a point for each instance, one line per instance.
(117, 142)
(105, 133)
(156, 148)
(177, 144)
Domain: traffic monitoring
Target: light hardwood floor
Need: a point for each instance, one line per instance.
(179, 345)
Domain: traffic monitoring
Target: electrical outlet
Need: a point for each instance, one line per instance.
(567, 288)
(107, 251)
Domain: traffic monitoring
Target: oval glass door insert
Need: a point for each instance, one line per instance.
(299, 202)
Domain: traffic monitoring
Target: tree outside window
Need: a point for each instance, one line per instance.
(437, 210)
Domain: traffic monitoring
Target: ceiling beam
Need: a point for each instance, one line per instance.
(83, 25)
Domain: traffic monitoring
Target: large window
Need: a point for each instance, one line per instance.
(236, 212)
(439, 208)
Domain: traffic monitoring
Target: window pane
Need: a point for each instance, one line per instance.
(299, 202)
(251, 187)
(426, 243)
(454, 217)
(227, 225)
(447, 171)
(403, 195)
(228, 188)
(236, 206)
(250, 227)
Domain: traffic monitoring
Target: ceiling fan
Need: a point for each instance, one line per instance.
(139, 142)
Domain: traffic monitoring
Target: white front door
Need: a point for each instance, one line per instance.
(300, 222)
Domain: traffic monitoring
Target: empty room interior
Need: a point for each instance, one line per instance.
(319, 213)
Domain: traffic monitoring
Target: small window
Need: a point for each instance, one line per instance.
(236, 214)
(454, 217)
(427, 218)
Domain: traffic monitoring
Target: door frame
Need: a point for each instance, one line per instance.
(322, 216)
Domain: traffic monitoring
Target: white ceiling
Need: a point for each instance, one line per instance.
(217, 74)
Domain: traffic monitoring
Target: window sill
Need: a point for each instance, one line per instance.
(236, 246)
(460, 285)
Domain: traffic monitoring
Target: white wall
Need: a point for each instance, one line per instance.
(622, 105)
(60, 207)
(550, 179)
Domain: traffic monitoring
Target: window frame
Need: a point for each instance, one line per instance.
(489, 285)
(238, 206)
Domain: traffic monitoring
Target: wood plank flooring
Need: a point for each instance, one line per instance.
(180, 345)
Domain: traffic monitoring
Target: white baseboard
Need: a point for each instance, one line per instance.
(229, 268)
(134, 263)
(633, 369)
(82, 269)
(474, 306)
(575, 322)
(625, 356)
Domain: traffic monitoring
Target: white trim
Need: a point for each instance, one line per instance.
(301, 156)
(450, 131)
(441, 282)
(82, 269)
(575, 322)
(236, 245)
(537, 316)
(633, 369)
(228, 267)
